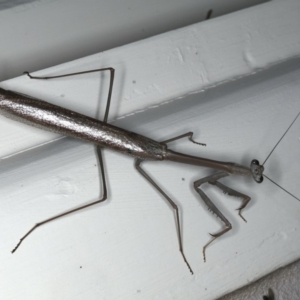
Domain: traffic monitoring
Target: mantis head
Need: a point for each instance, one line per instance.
(257, 171)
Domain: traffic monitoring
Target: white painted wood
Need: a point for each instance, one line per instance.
(127, 247)
(36, 34)
(165, 68)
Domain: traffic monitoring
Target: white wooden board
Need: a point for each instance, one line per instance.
(36, 34)
(127, 248)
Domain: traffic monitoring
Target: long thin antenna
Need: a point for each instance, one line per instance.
(281, 187)
(281, 138)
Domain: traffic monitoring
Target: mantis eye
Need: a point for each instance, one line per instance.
(257, 171)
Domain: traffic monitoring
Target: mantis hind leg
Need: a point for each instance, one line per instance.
(112, 76)
(213, 179)
(98, 153)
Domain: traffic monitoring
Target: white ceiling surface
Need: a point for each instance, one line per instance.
(36, 34)
(127, 248)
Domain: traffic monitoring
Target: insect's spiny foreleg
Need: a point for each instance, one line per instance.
(228, 191)
(213, 179)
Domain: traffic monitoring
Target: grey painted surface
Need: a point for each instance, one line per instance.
(284, 282)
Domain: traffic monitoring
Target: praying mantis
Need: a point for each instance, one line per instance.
(54, 118)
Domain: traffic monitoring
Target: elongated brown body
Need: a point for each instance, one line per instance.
(50, 117)
(47, 116)
(60, 120)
